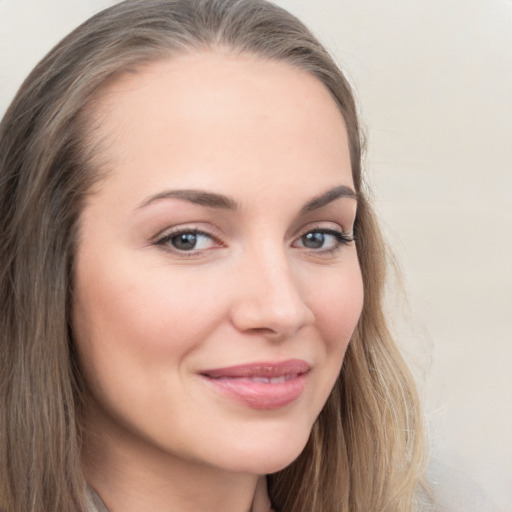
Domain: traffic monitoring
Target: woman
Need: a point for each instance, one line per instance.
(192, 275)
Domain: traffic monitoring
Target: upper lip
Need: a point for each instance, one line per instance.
(260, 369)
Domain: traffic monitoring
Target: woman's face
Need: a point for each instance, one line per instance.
(216, 282)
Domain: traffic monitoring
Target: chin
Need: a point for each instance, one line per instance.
(270, 454)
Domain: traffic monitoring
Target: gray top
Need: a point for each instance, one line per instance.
(95, 503)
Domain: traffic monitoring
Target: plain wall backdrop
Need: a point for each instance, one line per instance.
(433, 80)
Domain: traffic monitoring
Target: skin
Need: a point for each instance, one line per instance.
(148, 318)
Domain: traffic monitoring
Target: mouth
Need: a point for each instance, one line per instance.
(261, 385)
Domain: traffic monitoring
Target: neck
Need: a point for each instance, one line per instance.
(131, 475)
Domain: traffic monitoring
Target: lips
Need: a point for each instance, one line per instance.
(262, 385)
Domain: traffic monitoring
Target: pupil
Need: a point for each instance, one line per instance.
(313, 240)
(184, 241)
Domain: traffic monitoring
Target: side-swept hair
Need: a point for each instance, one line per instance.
(365, 450)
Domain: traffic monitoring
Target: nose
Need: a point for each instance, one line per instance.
(269, 299)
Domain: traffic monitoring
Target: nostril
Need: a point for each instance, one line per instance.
(275, 321)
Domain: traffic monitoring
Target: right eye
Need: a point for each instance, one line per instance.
(187, 240)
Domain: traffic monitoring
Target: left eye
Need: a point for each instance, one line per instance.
(188, 241)
(323, 239)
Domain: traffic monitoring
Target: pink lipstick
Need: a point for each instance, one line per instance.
(261, 385)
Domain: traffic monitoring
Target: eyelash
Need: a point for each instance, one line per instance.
(342, 239)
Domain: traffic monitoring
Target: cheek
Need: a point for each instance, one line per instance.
(336, 302)
(134, 330)
(133, 320)
(337, 306)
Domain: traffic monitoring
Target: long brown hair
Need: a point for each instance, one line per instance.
(365, 451)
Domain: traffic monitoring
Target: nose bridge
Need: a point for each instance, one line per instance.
(270, 298)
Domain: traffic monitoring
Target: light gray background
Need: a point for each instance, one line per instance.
(434, 83)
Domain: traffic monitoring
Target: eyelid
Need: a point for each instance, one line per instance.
(332, 227)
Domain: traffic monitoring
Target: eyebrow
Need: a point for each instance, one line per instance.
(328, 197)
(200, 197)
(219, 201)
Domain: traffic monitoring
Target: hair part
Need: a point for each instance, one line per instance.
(365, 450)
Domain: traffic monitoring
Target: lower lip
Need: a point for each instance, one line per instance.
(260, 395)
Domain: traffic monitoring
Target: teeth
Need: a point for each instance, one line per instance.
(264, 380)
(270, 380)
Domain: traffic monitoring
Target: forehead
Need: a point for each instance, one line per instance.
(222, 113)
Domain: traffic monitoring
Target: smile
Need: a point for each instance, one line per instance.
(261, 385)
